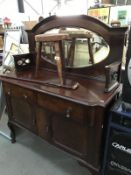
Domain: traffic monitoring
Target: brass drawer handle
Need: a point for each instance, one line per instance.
(68, 112)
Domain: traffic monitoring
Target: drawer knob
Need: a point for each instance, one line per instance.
(68, 112)
(25, 96)
(8, 92)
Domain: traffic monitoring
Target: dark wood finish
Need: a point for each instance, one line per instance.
(12, 132)
(112, 73)
(70, 119)
(73, 120)
(43, 123)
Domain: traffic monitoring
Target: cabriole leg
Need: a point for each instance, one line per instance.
(12, 133)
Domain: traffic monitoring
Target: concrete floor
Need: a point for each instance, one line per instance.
(31, 155)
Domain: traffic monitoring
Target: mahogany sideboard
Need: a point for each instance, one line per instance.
(72, 119)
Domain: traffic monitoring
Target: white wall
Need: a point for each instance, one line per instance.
(9, 8)
(73, 7)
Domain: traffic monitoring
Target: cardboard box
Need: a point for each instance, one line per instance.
(29, 24)
(1, 42)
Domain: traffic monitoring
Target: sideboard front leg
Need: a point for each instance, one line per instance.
(12, 133)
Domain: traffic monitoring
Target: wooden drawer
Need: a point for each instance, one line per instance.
(70, 110)
(17, 91)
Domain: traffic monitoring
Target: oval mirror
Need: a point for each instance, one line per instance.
(83, 48)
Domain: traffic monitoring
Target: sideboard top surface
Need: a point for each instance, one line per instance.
(90, 92)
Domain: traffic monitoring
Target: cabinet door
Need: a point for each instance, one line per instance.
(82, 140)
(21, 104)
(70, 135)
(43, 123)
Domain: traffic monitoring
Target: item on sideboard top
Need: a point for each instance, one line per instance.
(23, 61)
(28, 25)
(112, 76)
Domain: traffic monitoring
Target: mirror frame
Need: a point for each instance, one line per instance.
(113, 36)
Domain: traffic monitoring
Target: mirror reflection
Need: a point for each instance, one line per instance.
(83, 48)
